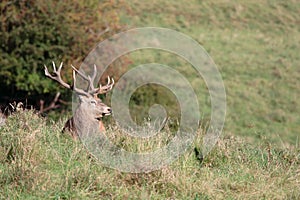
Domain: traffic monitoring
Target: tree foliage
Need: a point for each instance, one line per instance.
(34, 32)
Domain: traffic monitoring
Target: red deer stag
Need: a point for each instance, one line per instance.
(90, 110)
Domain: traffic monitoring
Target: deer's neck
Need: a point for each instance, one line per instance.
(85, 122)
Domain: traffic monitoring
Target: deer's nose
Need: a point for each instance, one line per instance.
(109, 110)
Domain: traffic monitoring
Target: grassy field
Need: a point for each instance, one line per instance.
(256, 48)
(38, 162)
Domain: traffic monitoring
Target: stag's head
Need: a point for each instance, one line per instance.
(90, 105)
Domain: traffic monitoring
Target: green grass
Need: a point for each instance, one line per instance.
(256, 48)
(38, 162)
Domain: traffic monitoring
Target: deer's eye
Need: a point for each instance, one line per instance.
(93, 102)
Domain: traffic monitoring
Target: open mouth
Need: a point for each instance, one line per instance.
(105, 114)
(102, 115)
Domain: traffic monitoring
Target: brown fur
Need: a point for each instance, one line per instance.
(87, 116)
(88, 113)
(70, 127)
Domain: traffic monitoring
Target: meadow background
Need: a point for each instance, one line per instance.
(256, 48)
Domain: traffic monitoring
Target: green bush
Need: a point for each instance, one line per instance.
(34, 32)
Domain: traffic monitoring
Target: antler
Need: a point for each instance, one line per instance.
(57, 77)
(107, 87)
(91, 89)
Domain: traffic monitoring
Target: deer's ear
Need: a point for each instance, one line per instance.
(82, 98)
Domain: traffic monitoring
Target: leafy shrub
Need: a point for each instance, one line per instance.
(34, 32)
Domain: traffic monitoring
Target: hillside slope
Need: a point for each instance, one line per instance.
(256, 48)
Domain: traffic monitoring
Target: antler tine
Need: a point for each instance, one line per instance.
(57, 76)
(91, 88)
(80, 73)
(59, 68)
(78, 90)
(46, 71)
(113, 81)
(107, 87)
(87, 78)
(53, 65)
(108, 81)
(94, 73)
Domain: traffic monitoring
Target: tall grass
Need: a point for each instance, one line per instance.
(37, 161)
